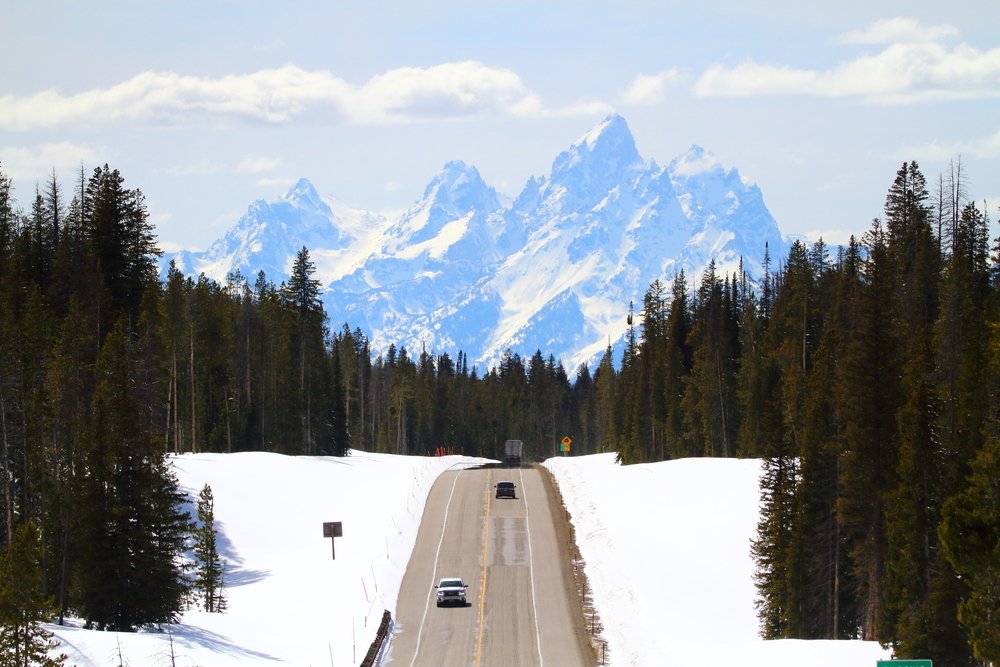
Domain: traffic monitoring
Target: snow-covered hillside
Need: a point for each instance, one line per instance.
(666, 546)
(553, 269)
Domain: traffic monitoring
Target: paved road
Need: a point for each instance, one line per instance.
(521, 610)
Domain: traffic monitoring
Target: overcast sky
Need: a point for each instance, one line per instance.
(208, 105)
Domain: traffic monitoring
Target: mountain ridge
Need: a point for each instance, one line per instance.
(553, 269)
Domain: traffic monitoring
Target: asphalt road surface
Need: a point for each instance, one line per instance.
(521, 609)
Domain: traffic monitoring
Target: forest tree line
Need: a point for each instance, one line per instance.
(867, 378)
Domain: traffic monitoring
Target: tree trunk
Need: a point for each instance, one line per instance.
(194, 418)
(8, 503)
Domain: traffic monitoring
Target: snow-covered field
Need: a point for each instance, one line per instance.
(666, 547)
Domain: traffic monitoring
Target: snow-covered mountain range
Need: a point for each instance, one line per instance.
(466, 269)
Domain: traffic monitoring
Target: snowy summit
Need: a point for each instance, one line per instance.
(554, 268)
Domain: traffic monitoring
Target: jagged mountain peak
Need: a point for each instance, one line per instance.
(457, 186)
(696, 160)
(456, 192)
(613, 130)
(698, 164)
(463, 268)
(303, 193)
(601, 154)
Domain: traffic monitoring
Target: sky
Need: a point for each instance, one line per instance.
(207, 106)
(679, 586)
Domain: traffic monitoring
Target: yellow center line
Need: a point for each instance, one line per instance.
(482, 589)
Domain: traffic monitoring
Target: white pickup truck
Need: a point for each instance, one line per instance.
(451, 590)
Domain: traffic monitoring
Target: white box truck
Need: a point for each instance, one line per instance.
(512, 451)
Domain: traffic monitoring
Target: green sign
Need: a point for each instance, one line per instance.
(905, 663)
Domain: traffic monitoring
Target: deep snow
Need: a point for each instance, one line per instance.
(666, 548)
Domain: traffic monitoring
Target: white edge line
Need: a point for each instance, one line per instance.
(531, 568)
(437, 555)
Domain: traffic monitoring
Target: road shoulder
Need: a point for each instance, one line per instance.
(574, 576)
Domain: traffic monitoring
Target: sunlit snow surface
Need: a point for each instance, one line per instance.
(666, 547)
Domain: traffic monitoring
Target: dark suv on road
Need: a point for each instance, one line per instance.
(506, 490)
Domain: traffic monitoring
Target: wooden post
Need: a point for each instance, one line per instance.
(333, 529)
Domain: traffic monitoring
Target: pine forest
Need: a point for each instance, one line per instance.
(865, 376)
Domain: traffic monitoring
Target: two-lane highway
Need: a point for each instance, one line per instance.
(522, 609)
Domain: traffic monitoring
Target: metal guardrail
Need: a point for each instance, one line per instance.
(374, 656)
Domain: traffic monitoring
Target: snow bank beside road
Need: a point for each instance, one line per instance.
(666, 545)
(667, 552)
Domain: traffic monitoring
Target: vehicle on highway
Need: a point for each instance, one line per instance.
(451, 590)
(512, 451)
(506, 490)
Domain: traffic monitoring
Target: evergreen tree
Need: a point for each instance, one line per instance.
(54, 208)
(710, 391)
(208, 567)
(121, 238)
(8, 222)
(582, 411)
(605, 403)
(23, 607)
(821, 551)
(969, 530)
(653, 348)
(677, 368)
(756, 383)
(308, 333)
(920, 590)
(865, 403)
(70, 381)
(131, 532)
(970, 538)
(774, 547)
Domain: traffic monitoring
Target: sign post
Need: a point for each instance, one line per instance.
(333, 529)
(564, 445)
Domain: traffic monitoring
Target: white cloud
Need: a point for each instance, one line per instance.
(272, 181)
(449, 90)
(984, 147)
(273, 45)
(250, 164)
(899, 29)
(915, 66)
(752, 78)
(170, 247)
(648, 89)
(201, 168)
(27, 163)
(255, 164)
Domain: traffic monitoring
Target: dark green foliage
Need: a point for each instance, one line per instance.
(969, 531)
(132, 531)
(23, 606)
(709, 402)
(209, 570)
(677, 364)
(774, 549)
(81, 380)
(120, 238)
(879, 367)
